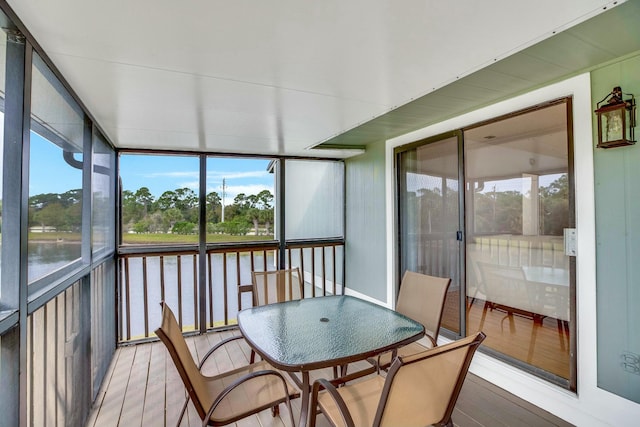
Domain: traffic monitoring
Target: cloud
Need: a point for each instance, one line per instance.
(175, 174)
(218, 176)
(194, 185)
(215, 176)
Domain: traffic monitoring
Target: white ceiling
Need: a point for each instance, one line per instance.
(274, 77)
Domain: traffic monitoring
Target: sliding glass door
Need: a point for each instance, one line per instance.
(510, 256)
(429, 213)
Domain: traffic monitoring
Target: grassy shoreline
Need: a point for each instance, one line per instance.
(146, 238)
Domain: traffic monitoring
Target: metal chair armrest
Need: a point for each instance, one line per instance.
(333, 392)
(204, 359)
(337, 382)
(248, 377)
(216, 347)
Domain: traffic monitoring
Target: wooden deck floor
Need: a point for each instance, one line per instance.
(142, 388)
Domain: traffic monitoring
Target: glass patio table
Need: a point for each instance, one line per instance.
(315, 333)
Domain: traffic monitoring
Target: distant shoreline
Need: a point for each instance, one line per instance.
(146, 238)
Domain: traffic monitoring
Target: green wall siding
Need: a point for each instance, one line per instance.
(366, 242)
(617, 199)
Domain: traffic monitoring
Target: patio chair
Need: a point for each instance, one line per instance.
(228, 397)
(422, 299)
(277, 286)
(418, 390)
(273, 286)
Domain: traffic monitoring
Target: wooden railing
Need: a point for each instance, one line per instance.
(148, 275)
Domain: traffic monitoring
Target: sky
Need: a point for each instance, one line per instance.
(162, 173)
(49, 173)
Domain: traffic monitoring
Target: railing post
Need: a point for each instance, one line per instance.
(136, 294)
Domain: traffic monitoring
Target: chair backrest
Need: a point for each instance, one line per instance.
(422, 389)
(506, 285)
(170, 334)
(422, 298)
(277, 286)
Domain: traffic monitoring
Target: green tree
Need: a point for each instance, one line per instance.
(167, 200)
(214, 207)
(498, 212)
(73, 217)
(141, 226)
(130, 208)
(253, 216)
(71, 197)
(52, 215)
(184, 227)
(144, 198)
(554, 207)
(187, 203)
(183, 199)
(264, 200)
(170, 217)
(237, 226)
(39, 201)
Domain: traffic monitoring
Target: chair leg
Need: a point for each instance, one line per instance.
(512, 323)
(184, 408)
(532, 341)
(343, 370)
(484, 315)
(470, 301)
(561, 334)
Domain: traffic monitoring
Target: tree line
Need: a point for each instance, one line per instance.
(495, 212)
(61, 211)
(177, 211)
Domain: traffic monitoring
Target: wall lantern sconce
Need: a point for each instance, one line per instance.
(616, 120)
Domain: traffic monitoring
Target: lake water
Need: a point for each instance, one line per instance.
(46, 257)
(171, 288)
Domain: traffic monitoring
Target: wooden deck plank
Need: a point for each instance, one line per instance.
(154, 399)
(111, 408)
(510, 405)
(191, 418)
(174, 392)
(95, 408)
(133, 406)
(481, 404)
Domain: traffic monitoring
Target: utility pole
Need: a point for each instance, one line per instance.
(224, 187)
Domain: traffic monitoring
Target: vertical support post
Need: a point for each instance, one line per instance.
(83, 362)
(87, 196)
(202, 247)
(344, 231)
(462, 243)
(282, 248)
(15, 194)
